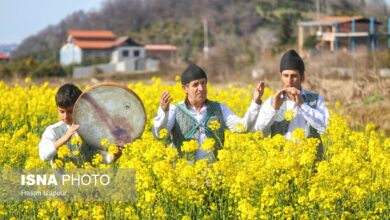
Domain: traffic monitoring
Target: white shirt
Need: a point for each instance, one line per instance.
(167, 120)
(317, 118)
(47, 151)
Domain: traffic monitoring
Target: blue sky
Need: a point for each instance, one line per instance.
(21, 18)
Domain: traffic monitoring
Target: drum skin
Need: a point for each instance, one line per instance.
(110, 111)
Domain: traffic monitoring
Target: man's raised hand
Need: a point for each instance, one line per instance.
(165, 100)
(259, 91)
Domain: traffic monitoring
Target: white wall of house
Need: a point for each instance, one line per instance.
(70, 54)
(125, 66)
(121, 54)
(126, 59)
(91, 71)
(152, 64)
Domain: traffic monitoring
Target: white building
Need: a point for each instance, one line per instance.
(82, 45)
(126, 56)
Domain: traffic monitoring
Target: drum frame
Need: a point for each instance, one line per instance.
(119, 86)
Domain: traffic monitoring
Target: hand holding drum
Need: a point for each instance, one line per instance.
(110, 111)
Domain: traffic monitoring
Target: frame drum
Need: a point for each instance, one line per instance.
(111, 111)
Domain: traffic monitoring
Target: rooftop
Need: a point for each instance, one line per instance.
(329, 21)
(91, 34)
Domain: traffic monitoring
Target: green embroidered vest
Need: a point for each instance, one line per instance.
(85, 152)
(186, 126)
(280, 125)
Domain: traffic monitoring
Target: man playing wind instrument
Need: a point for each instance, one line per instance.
(292, 106)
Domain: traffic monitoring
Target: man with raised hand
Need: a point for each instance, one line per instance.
(190, 119)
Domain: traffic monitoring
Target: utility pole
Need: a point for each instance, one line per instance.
(205, 40)
(319, 31)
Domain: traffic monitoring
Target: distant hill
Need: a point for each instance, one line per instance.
(179, 22)
(7, 48)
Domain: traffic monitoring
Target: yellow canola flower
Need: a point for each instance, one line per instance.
(70, 165)
(130, 213)
(150, 196)
(83, 214)
(42, 214)
(239, 128)
(98, 212)
(289, 115)
(213, 207)
(160, 213)
(76, 152)
(190, 146)
(27, 80)
(97, 159)
(76, 140)
(58, 163)
(371, 126)
(386, 144)
(288, 212)
(177, 78)
(253, 177)
(64, 211)
(298, 135)
(104, 142)
(306, 158)
(87, 165)
(186, 217)
(163, 133)
(113, 149)
(2, 210)
(337, 105)
(247, 211)
(63, 152)
(214, 125)
(208, 144)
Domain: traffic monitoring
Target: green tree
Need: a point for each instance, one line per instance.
(288, 23)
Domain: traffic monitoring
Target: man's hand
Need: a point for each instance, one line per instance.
(295, 95)
(71, 131)
(278, 99)
(113, 157)
(259, 91)
(165, 100)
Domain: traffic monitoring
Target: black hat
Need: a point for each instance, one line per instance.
(292, 61)
(193, 72)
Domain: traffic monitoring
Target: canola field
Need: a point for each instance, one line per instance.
(254, 177)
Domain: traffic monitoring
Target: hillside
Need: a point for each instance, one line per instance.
(180, 22)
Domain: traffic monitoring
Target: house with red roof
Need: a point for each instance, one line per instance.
(340, 32)
(4, 58)
(82, 45)
(161, 51)
(125, 54)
